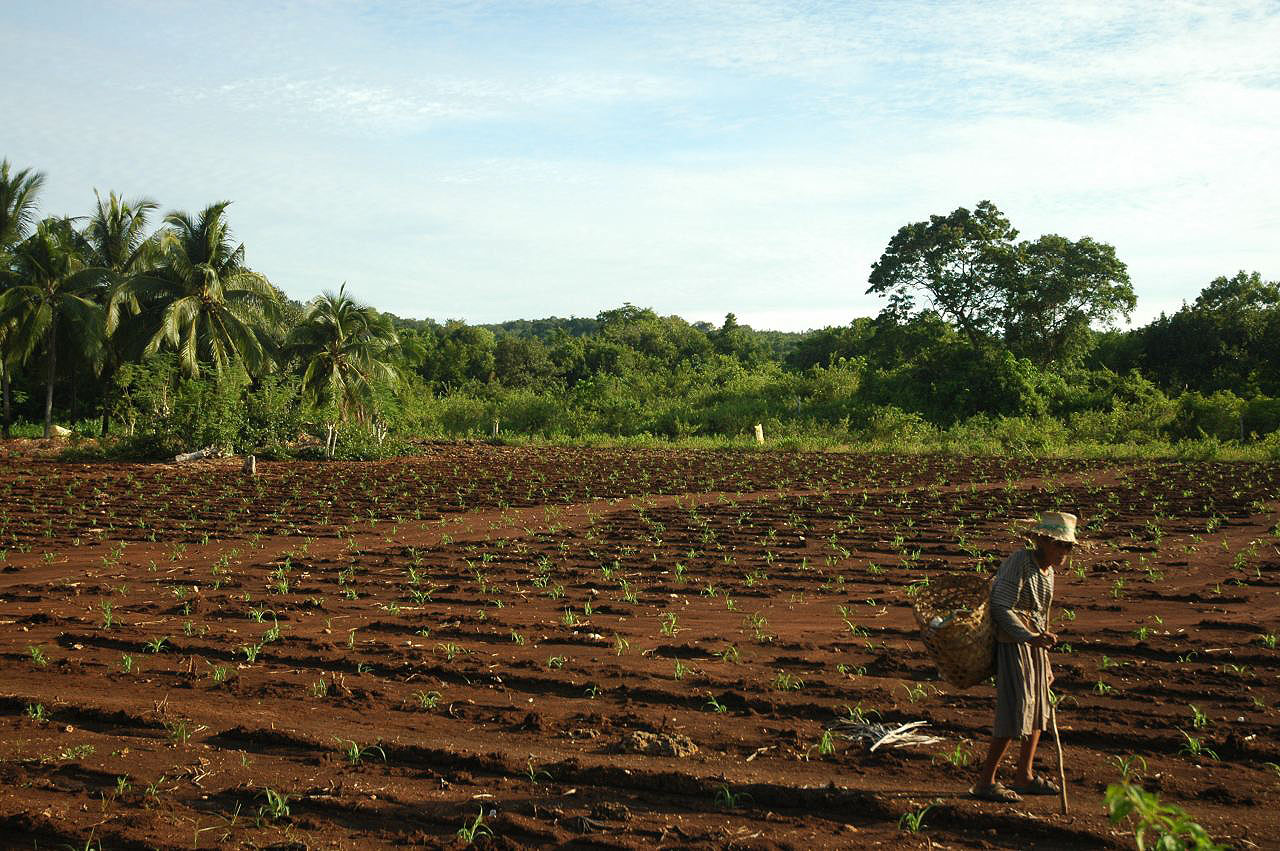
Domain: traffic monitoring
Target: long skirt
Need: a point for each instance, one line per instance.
(1022, 690)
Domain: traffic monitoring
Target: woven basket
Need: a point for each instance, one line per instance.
(964, 646)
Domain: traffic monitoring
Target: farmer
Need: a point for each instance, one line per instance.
(1020, 598)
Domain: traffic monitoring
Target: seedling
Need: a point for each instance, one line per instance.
(728, 798)
(715, 705)
(1198, 719)
(1195, 748)
(857, 715)
(36, 712)
(535, 774)
(356, 754)
(276, 807)
(473, 830)
(156, 645)
(449, 649)
(913, 822)
(1170, 827)
(427, 699)
(37, 655)
(960, 756)
(787, 682)
(179, 731)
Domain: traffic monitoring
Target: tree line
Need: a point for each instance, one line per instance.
(158, 329)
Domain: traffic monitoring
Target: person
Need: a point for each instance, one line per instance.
(1020, 597)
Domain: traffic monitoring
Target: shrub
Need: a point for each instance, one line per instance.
(1261, 416)
(1218, 416)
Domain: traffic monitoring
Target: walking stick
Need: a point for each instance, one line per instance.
(1053, 720)
(1057, 743)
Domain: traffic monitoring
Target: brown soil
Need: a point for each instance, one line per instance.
(607, 648)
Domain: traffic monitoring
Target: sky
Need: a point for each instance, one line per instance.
(492, 161)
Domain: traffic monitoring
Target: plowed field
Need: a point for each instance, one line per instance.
(610, 648)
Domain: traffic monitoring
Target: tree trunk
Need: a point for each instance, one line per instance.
(8, 410)
(48, 391)
(107, 386)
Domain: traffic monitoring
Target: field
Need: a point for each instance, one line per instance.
(610, 648)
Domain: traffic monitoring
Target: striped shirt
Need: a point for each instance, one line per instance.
(1020, 598)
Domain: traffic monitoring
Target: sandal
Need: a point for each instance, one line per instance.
(997, 793)
(1037, 786)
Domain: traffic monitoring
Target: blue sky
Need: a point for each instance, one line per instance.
(490, 161)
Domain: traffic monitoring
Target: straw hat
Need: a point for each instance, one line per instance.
(1057, 525)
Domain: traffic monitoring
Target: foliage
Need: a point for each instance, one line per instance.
(202, 300)
(988, 345)
(1156, 825)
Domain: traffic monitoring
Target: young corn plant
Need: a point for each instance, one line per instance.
(913, 820)
(1195, 748)
(1156, 825)
(474, 829)
(356, 754)
(427, 699)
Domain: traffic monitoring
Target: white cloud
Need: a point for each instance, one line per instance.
(492, 160)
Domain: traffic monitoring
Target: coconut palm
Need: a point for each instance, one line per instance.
(117, 233)
(17, 211)
(343, 347)
(202, 300)
(55, 294)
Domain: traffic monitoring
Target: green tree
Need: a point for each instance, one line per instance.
(521, 362)
(117, 233)
(1229, 339)
(959, 263)
(202, 300)
(55, 295)
(739, 341)
(1057, 291)
(18, 190)
(344, 348)
(463, 354)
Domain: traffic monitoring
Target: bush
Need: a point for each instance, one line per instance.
(887, 424)
(1261, 416)
(461, 416)
(1218, 416)
(273, 416)
(1015, 435)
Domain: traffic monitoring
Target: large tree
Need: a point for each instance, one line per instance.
(958, 263)
(55, 296)
(117, 233)
(344, 349)
(18, 190)
(1061, 289)
(1228, 339)
(203, 301)
(1044, 295)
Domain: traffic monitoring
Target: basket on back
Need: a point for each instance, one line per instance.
(955, 624)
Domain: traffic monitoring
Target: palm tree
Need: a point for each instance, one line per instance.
(17, 210)
(342, 346)
(54, 289)
(117, 233)
(203, 300)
